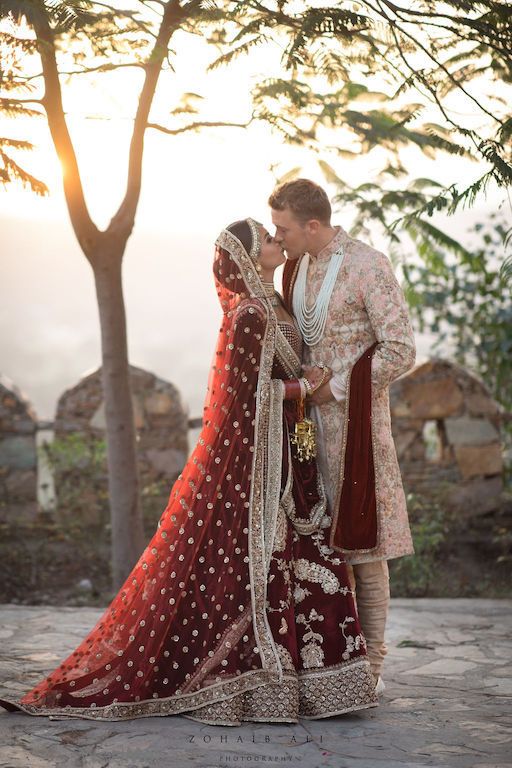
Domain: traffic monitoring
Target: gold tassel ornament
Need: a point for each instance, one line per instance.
(304, 436)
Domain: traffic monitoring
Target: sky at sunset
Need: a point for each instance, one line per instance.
(193, 185)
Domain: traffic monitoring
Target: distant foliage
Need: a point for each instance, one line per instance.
(78, 465)
(416, 575)
(464, 296)
(443, 70)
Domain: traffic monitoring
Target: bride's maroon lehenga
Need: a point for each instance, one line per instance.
(237, 609)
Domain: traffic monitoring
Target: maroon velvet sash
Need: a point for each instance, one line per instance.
(289, 275)
(356, 521)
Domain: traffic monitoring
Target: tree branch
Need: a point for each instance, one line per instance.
(125, 216)
(424, 14)
(85, 229)
(196, 126)
(430, 89)
(451, 28)
(5, 102)
(393, 24)
(86, 70)
(104, 68)
(12, 171)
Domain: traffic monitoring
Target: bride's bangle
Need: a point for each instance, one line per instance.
(307, 385)
(294, 389)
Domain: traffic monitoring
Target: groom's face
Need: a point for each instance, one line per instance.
(291, 233)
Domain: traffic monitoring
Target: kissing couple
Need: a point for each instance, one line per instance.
(264, 592)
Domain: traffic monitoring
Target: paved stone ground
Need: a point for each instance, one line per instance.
(447, 702)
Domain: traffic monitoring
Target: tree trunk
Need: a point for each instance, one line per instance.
(105, 250)
(123, 483)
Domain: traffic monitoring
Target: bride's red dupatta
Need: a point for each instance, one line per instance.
(188, 627)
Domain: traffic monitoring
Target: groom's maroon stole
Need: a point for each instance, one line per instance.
(355, 524)
(289, 274)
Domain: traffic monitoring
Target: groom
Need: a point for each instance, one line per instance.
(353, 318)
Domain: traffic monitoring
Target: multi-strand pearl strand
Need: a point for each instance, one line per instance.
(312, 319)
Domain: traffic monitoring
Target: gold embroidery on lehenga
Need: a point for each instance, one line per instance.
(306, 526)
(311, 653)
(263, 634)
(337, 690)
(286, 353)
(310, 694)
(307, 571)
(273, 445)
(300, 593)
(284, 567)
(286, 658)
(281, 530)
(353, 642)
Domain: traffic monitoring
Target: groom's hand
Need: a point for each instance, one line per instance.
(316, 375)
(322, 395)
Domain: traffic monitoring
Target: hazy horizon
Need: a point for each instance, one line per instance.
(49, 327)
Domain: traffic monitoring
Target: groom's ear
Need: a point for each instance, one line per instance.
(312, 226)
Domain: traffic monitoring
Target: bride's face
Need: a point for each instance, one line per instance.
(271, 252)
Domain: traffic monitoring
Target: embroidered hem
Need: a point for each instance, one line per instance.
(312, 694)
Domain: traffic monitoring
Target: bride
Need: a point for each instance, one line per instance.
(237, 610)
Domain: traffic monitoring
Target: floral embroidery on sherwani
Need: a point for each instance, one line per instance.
(367, 306)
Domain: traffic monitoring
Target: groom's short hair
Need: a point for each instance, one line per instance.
(305, 199)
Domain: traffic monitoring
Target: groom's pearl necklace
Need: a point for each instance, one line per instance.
(312, 319)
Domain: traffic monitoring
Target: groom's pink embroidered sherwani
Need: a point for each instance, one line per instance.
(366, 308)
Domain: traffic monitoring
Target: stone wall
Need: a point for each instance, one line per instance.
(445, 424)
(161, 423)
(447, 434)
(18, 454)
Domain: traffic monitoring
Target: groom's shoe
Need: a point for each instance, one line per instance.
(380, 686)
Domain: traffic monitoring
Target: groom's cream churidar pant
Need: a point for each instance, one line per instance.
(371, 584)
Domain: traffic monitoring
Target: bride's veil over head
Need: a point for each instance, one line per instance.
(235, 266)
(236, 273)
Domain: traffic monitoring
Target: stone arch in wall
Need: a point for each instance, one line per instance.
(446, 428)
(18, 454)
(161, 423)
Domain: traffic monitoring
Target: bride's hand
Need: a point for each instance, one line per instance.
(316, 375)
